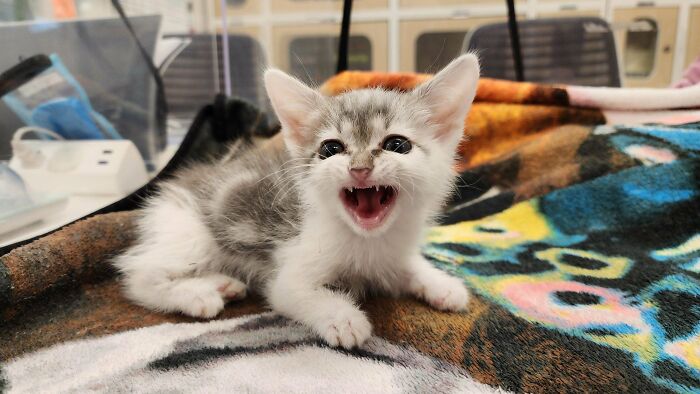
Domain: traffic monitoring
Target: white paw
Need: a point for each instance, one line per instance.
(205, 296)
(230, 288)
(348, 328)
(204, 305)
(446, 294)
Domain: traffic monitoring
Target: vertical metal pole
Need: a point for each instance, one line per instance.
(515, 41)
(224, 44)
(344, 37)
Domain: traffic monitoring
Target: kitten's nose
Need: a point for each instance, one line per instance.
(360, 174)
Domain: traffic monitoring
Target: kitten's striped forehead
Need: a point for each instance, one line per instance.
(359, 115)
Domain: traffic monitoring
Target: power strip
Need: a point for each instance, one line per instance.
(95, 167)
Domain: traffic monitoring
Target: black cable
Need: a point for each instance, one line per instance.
(515, 42)
(161, 101)
(344, 37)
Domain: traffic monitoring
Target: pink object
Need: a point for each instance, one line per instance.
(650, 154)
(537, 301)
(691, 76)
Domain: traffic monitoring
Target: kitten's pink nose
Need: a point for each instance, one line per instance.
(360, 174)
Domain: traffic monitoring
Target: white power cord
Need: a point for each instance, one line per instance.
(28, 157)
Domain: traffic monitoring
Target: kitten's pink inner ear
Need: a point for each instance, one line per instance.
(293, 102)
(449, 94)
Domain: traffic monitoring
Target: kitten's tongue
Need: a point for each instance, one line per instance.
(368, 202)
(369, 206)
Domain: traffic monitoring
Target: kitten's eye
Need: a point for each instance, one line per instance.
(397, 144)
(330, 148)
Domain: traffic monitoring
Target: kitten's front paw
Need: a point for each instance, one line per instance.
(205, 296)
(348, 328)
(204, 305)
(448, 294)
(231, 288)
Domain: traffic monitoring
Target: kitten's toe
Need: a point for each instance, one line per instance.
(209, 295)
(348, 329)
(204, 305)
(203, 296)
(447, 296)
(231, 288)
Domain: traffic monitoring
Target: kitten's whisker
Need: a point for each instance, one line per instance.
(410, 195)
(406, 141)
(289, 172)
(410, 177)
(294, 159)
(469, 185)
(311, 82)
(286, 171)
(403, 190)
(288, 182)
(284, 183)
(285, 180)
(430, 68)
(284, 186)
(283, 170)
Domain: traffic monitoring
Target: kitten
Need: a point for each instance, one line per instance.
(340, 213)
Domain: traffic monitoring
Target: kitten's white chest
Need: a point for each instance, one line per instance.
(360, 263)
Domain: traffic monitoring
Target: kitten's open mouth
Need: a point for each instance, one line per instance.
(369, 206)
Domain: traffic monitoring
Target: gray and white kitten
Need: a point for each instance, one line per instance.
(340, 213)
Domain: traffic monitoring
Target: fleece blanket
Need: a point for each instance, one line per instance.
(576, 223)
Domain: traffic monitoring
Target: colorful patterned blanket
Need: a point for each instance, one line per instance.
(576, 222)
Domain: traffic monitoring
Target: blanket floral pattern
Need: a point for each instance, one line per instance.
(615, 260)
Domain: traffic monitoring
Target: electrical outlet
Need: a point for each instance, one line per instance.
(95, 167)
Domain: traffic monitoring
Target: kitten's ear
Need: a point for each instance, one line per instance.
(293, 102)
(449, 95)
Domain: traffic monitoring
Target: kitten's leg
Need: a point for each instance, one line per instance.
(334, 316)
(200, 296)
(436, 287)
(169, 269)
